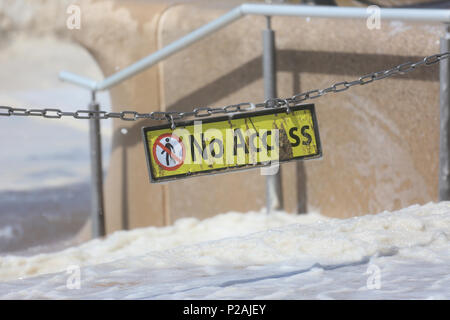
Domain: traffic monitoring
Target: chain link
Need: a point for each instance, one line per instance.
(202, 112)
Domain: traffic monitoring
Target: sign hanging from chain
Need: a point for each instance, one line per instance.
(285, 130)
(225, 144)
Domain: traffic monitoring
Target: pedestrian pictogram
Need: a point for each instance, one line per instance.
(169, 151)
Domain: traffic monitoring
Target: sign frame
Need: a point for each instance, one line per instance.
(232, 116)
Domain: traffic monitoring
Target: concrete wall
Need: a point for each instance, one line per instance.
(380, 141)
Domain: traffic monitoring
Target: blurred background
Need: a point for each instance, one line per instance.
(44, 163)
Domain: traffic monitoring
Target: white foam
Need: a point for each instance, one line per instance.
(253, 255)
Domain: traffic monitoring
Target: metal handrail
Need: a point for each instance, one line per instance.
(424, 15)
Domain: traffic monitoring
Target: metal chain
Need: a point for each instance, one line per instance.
(171, 116)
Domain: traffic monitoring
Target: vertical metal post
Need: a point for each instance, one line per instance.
(444, 139)
(274, 195)
(97, 211)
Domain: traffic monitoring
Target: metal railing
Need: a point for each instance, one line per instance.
(273, 192)
(424, 15)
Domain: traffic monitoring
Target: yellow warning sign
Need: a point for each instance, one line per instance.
(229, 143)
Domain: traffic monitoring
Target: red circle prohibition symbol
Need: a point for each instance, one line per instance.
(172, 155)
